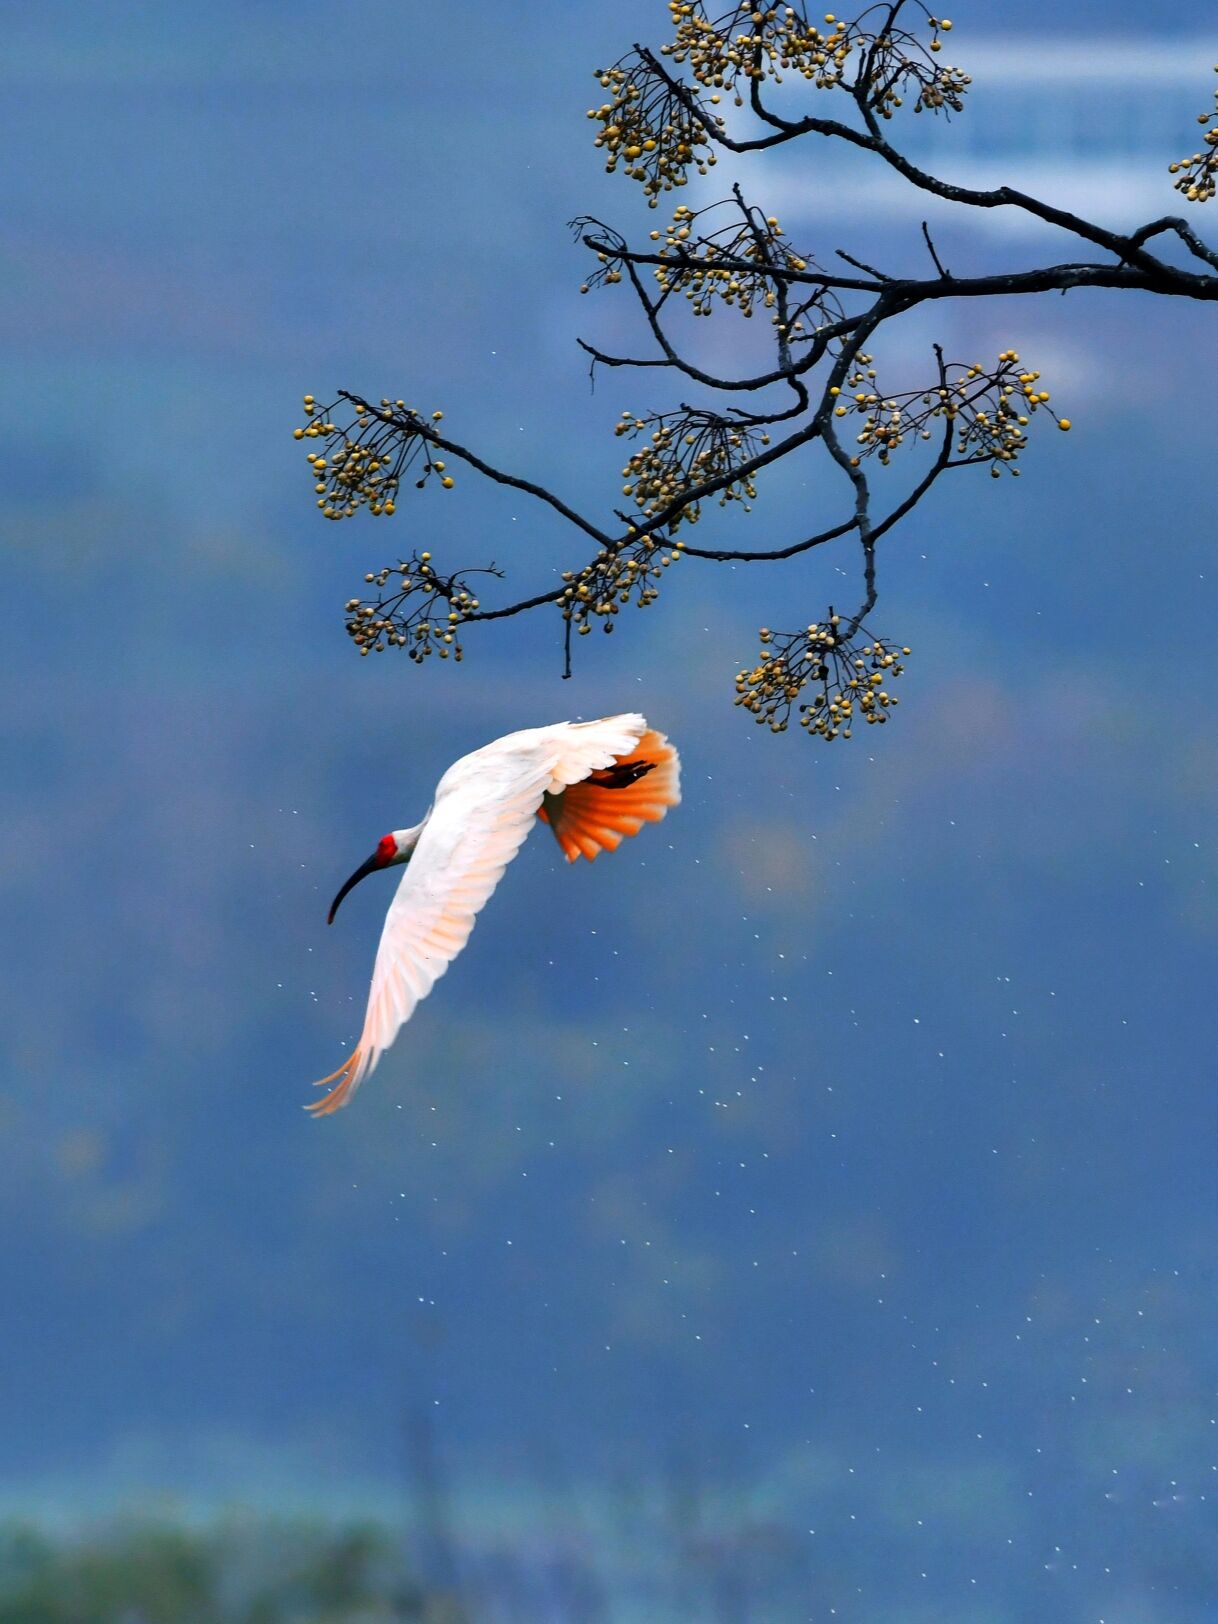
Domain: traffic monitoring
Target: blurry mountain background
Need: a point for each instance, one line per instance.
(808, 1212)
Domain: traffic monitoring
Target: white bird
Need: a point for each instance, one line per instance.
(592, 782)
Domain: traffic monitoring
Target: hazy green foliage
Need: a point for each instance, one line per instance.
(231, 1574)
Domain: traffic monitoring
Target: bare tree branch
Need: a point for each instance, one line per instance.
(664, 121)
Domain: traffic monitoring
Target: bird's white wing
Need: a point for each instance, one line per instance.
(485, 805)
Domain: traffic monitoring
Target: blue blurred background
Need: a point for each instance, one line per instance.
(808, 1213)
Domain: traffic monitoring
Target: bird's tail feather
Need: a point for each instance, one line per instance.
(349, 1075)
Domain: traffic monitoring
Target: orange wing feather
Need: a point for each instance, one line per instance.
(589, 818)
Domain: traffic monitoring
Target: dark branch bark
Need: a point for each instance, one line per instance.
(452, 449)
(1155, 277)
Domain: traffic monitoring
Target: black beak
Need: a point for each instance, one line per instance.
(370, 867)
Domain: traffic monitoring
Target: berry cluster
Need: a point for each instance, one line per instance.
(848, 670)
(361, 463)
(698, 271)
(616, 577)
(990, 409)
(751, 42)
(684, 449)
(899, 67)
(655, 129)
(1197, 177)
(650, 130)
(415, 608)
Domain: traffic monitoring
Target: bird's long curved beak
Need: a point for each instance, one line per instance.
(370, 867)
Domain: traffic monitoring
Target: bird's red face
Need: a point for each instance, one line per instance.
(386, 853)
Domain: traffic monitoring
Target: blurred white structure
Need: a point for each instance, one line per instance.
(1086, 124)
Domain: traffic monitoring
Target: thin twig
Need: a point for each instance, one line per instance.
(945, 274)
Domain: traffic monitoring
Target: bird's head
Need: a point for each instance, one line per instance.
(391, 849)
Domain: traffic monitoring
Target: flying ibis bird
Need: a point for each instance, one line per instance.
(592, 782)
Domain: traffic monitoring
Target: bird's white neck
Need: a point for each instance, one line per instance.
(407, 840)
